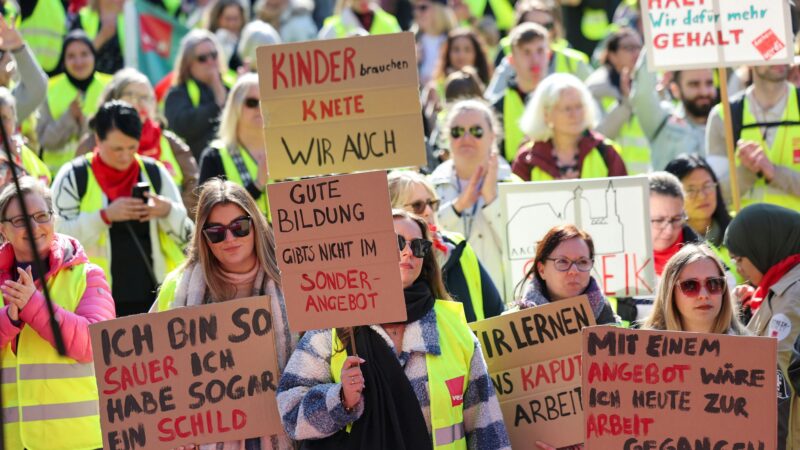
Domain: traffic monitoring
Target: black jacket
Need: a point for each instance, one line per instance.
(456, 284)
(197, 126)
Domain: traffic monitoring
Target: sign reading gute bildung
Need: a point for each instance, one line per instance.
(337, 251)
(341, 105)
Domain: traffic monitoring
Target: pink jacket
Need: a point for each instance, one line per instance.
(95, 306)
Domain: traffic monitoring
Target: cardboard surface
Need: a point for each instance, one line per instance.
(533, 358)
(337, 251)
(341, 105)
(696, 34)
(614, 211)
(190, 375)
(656, 389)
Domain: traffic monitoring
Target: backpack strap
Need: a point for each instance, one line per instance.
(737, 116)
(80, 167)
(153, 173)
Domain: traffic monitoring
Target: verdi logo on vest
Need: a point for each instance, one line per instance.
(456, 388)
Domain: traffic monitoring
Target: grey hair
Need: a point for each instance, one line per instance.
(254, 35)
(121, 80)
(229, 121)
(477, 106)
(665, 183)
(534, 120)
(183, 60)
(27, 185)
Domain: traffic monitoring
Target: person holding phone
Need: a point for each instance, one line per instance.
(135, 240)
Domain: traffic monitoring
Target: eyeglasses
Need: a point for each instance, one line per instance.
(420, 205)
(40, 217)
(691, 287)
(251, 102)
(564, 264)
(419, 247)
(476, 131)
(630, 47)
(549, 25)
(674, 222)
(706, 189)
(134, 98)
(239, 228)
(206, 56)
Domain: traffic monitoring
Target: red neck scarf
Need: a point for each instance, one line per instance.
(660, 257)
(150, 142)
(114, 183)
(772, 276)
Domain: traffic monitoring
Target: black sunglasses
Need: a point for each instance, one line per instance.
(419, 206)
(239, 228)
(419, 247)
(691, 287)
(476, 131)
(206, 56)
(251, 102)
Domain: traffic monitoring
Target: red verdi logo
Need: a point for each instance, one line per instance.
(456, 388)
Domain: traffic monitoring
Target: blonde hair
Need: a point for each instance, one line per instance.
(665, 315)
(533, 121)
(186, 54)
(121, 80)
(444, 20)
(229, 121)
(402, 182)
(220, 192)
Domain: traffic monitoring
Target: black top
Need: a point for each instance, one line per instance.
(196, 125)
(211, 167)
(109, 56)
(132, 286)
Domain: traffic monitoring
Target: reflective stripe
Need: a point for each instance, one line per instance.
(449, 434)
(8, 375)
(10, 414)
(44, 31)
(60, 411)
(55, 371)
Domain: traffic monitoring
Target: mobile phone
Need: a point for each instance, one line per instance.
(139, 190)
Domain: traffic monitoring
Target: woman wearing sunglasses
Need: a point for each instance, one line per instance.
(238, 154)
(467, 183)
(198, 92)
(398, 392)
(66, 391)
(124, 208)
(559, 120)
(230, 256)
(464, 276)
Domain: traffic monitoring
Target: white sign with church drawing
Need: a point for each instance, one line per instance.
(614, 211)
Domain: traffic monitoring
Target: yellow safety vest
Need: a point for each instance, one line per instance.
(35, 166)
(513, 107)
(594, 166)
(233, 175)
(635, 147)
(594, 24)
(90, 22)
(613, 302)
(92, 201)
(167, 156)
(166, 293)
(472, 274)
(457, 346)
(565, 59)
(50, 401)
(44, 32)
(503, 12)
(782, 153)
(228, 79)
(60, 93)
(382, 23)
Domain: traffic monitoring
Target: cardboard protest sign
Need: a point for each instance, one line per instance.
(696, 34)
(614, 211)
(192, 375)
(337, 251)
(342, 105)
(659, 389)
(534, 360)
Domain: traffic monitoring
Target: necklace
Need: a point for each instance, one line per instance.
(393, 331)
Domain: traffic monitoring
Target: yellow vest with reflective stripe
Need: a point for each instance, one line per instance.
(594, 24)
(92, 201)
(232, 173)
(382, 23)
(455, 341)
(90, 22)
(781, 153)
(635, 147)
(35, 166)
(50, 401)
(167, 156)
(472, 274)
(60, 93)
(502, 9)
(594, 166)
(44, 32)
(513, 107)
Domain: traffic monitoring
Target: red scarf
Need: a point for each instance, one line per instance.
(150, 142)
(114, 183)
(660, 257)
(437, 238)
(772, 276)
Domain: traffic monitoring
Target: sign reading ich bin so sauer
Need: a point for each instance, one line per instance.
(341, 105)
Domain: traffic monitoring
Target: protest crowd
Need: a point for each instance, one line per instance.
(137, 133)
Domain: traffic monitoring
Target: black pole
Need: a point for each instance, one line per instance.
(37, 261)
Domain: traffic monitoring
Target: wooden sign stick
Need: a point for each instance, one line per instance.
(729, 144)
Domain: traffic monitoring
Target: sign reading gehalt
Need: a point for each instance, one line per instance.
(696, 34)
(337, 251)
(534, 359)
(342, 105)
(662, 389)
(192, 375)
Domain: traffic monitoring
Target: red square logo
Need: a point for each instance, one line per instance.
(456, 388)
(156, 35)
(768, 44)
